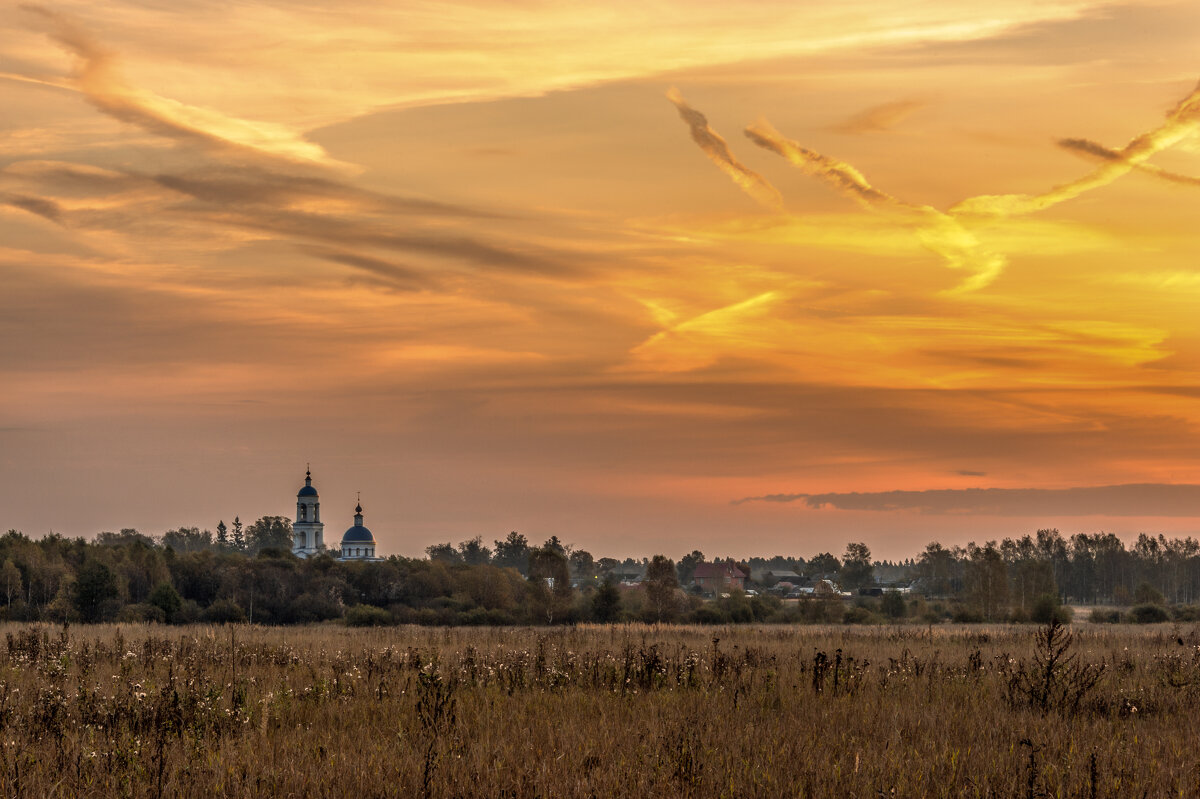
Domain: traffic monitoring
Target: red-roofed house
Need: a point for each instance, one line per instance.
(719, 578)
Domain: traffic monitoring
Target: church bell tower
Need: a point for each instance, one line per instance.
(308, 531)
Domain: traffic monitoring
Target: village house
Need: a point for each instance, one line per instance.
(770, 577)
(719, 578)
(627, 574)
(826, 588)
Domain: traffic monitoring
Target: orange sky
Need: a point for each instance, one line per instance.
(754, 279)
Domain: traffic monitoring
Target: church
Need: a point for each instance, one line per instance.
(309, 532)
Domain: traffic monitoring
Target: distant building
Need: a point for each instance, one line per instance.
(719, 578)
(308, 532)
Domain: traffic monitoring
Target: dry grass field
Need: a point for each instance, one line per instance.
(600, 711)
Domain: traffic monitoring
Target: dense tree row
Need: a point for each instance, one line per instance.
(997, 578)
(248, 573)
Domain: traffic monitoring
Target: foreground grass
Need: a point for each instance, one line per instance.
(596, 711)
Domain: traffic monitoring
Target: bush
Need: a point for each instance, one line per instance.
(859, 615)
(1148, 614)
(368, 616)
(223, 611)
(19, 611)
(1103, 616)
(428, 617)
(1146, 594)
(1186, 613)
(499, 617)
(763, 607)
(141, 613)
(892, 605)
(312, 607)
(785, 615)
(94, 591)
(189, 612)
(110, 609)
(737, 607)
(403, 614)
(167, 599)
(1046, 608)
(475, 617)
(965, 615)
(606, 603)
(708, 614)
(820, 611)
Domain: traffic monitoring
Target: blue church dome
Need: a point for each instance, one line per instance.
(358, 534)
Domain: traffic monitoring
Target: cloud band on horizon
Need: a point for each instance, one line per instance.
(1133, 499)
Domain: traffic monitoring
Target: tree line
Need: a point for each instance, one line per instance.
(247, 573)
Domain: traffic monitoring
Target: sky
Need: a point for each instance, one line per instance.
(754, 279)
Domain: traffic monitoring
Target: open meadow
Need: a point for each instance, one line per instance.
(914, 711)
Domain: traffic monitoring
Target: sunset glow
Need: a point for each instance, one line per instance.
(648, 277)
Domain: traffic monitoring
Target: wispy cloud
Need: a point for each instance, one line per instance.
(941, 233)
(1136, 499)
(402, 277)
(692, 343)
(101, 82)
(47, 209)
(947, 233)
(303, 209)
(838, 174)
(717, 150)
(254, 181)
(1097, 151)
(1182, 122)
(880, 118)
(257, 186)
(341, 231)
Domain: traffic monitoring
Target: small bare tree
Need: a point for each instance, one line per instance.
(1055, 680)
